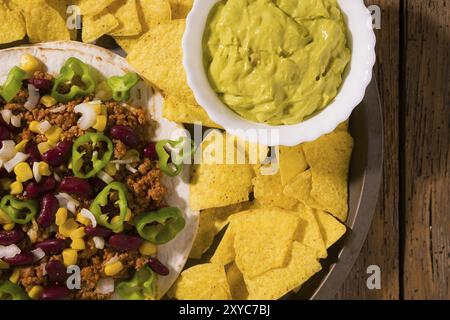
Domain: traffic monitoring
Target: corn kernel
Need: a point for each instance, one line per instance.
(21, 145)
(5, 183)
(9, 226)
(14, 277)
(30, 64)
(43, 147)
(48, 101)
(53, 134)
(34, 127)
(83, 220)
(3, 265)
(44, 169)
(78, 244)
(68, 227)
(36, 292)
(61, 216)
(4, 218)
(70, 257)
(98, 108)
(78, 233)
(115, 220)
(147, 249)
(128, 215)
(111, 169)
(114, 268)
(16, 188)
(23, 172)
(100, 124)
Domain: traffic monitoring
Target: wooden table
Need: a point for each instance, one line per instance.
(409, 238)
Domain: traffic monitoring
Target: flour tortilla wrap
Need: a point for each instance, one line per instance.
(53, 54)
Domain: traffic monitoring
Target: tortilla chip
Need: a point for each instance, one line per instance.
(93, 7)
(259, 245)
(126, 12)
(158, 56)
(211, 222)
(309, 232)
(329, 160)
(44, 22)
(96, 26)
(180, 8)
(344, 126)
(236, 283)
(202, 282)
(331, 229)
(224, 253)
(12, 27)
(300, 189)
(151, 13)
(268, 190)
(274, 284)
(179, 111)
(292, 163)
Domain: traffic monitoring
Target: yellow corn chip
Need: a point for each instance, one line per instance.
(263, 239)
(268, 190)
(96, 26)
(274, 284)
(12, 27)
(211, 222)
(158, 56)
(292, 163)
(202, 282)
(44, 22)
(343, 126)
(126, 13)
(329, 159)
(332, 230)
(93, 7)
(180, 8)
(224, 253)
(300, 189)
(179, 111)
(236, 283)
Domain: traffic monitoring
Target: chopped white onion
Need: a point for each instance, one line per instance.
(58, 109)
(44, 126)
(105, 286)
(37, 176)
(87, 214)
(131, 169)
(127, 161)
(71, 207)
(88, 115)
(66, 201)
(99, 242)
(33, 98)
(9, 251)
(106, 178)
(6, 115)
(16, 121)
(18, 158)
(57, 178)
(7, 150)
(38, 254)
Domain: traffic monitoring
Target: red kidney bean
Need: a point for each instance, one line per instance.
(77, 186)
(123, 242)
(34, 190)
(43, 85)
(56, 271)
(32, 149)
(51, 246)
(11, 237)
(126, 135)
(158, 267)
(5, 134)
(97, 231)
(20, 259)
(49, 206)
(58, 155)
(55, 293)
(150, 152)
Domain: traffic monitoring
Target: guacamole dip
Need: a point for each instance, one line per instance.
(276, 61)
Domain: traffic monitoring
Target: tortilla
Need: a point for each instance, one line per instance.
(224, 253)
(292, 162)
(180, 8)
(12, 27)
(96, 26)
(54, 54)
(126, 12)
(300, 189)
(331, 229)
(93, 7)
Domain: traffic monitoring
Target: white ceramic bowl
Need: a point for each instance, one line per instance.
(362, 44)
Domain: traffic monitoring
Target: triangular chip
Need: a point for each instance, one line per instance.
(263, 239)
(236, 282)
(12, 27)
(274, 284)
(126, 12)
(180, 8)
(292, 163)
(202, 282)
(93, 7)
(96, 26)
(332, 230)
(224, 253)
(300, 189)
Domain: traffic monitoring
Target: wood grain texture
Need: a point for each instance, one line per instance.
(427, 157)
(381, 247)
